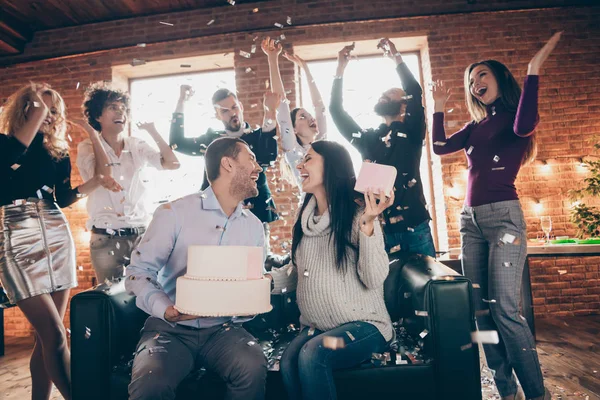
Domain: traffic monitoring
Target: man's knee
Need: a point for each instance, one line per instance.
(250, 367)
(151, 385)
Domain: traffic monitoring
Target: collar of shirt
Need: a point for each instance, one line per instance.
(210, 202)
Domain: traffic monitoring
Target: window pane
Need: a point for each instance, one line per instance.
(154, 99)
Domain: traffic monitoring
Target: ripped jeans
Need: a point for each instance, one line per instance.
(494, 248)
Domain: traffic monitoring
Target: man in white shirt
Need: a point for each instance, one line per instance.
(117, 219)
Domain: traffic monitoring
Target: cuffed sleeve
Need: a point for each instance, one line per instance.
(149, 258)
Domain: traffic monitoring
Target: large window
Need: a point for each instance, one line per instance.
(154, 99)
(365, 80)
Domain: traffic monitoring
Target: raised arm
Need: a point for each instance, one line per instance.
(177, 140)
(168, 159)
(527, 112)
(442, 144)
(344, 122)
(35, 112)
(315, 95)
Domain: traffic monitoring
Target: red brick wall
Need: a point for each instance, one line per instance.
(569, 95)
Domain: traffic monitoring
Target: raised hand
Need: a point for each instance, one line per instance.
(146, 126)
(83, 124)
(270, 48)
(299, 61)
(344, 57)
(441, 94)
(172, 315)
(271, 101)
(109, 183)
(541, 56)
(35, 103)
(389, 50)
(373, 208)
(185, 92)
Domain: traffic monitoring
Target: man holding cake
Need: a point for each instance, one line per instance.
(173, 344)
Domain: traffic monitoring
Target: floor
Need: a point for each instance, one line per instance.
(569, 350)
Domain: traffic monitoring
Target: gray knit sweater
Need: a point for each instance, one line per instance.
(328, 298)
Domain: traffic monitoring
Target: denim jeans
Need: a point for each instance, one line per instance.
(308, 363)
(419, 242)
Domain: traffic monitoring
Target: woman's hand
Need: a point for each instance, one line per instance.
(35, 105)
(343, 58)
(373, 209)
(270, 48)
(109, 183)
(440, 95)
(299, 61)
(271, 101)
(541, 56)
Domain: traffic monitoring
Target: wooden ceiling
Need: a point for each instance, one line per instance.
(20, 19)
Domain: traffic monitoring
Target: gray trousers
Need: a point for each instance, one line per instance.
(494, 248)
(166, 355)
(110, 254)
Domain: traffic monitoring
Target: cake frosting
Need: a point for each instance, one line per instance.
(223, 281)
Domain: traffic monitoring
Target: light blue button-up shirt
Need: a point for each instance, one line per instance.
(161, 257)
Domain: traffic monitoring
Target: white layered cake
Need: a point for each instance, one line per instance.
(223, 281)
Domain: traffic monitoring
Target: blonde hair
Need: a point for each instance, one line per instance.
(510, 94)
(13, 117)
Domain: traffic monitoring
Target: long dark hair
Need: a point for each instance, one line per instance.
(339, 183)
(510, 94)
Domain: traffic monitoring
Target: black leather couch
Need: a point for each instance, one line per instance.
(425, 294)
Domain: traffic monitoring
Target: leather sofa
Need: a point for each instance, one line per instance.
(423, 293)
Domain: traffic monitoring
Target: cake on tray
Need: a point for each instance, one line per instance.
(223, 281)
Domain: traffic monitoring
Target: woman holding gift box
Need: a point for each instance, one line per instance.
(340, 265)
(497, 142)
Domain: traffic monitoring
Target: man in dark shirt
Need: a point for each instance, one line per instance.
(398, 142)
(261, 141)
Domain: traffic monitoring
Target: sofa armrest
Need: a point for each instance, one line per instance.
(429, 295)
(105, 326)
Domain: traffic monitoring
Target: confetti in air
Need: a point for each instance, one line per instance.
(166, 23)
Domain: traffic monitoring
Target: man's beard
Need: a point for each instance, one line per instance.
(242, 186)
(389, 109)
(233, 127)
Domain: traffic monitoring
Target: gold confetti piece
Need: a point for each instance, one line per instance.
(311, 331)
(333, 343)
(165, 23)
(466, 347)
(15, 167)
(255, 10)
(232, 2)
(562, 271)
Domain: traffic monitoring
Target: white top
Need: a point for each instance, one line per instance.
(293, 151)
(126, 209)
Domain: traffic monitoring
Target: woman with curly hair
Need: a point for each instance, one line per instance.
(37, 252)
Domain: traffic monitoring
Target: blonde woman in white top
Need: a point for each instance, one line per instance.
(298, 127)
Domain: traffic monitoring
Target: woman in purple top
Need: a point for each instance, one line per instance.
(497, 142)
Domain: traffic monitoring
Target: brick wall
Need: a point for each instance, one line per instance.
(569, 93)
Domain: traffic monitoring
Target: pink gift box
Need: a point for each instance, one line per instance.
(379, 177)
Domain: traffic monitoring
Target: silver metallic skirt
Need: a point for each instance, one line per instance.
(37, 251)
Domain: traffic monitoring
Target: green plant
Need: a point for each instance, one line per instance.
(586, 218)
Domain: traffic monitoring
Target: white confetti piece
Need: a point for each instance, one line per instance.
(47, 189)
(395, 249)
(209, 23)
(438, 143)
(562, 271)
(498, 169)
(289, 20)
(424, 333)
(15, 167)
(39, 194)
(492, 301)
(165, 23)
(357, 135)
(466, 346)
(305, 272)
(402, 135)
(485, 337)
(141, 45)
(278, 25)
(470, 150)
(508, 238)
(421, 313)
(245, 54)
(496, 159)
(350, 335)
(253, 49)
